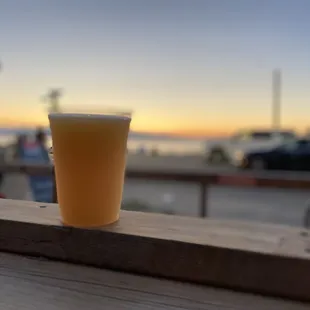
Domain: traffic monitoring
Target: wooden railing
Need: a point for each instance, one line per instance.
(241, 256)
(247, 257)
(203, 180)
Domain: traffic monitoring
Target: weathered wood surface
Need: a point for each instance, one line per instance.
(30, 283)
(266, 259)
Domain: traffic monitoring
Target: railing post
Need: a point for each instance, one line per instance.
(55, 199)
(203, 199)
(306, 218)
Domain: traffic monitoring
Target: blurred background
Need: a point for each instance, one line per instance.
(214, 84)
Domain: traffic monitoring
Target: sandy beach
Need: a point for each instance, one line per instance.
(257, 204)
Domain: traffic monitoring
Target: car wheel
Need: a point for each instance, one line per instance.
(217, 156)
(258, 163)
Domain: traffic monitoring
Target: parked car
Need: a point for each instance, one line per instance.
(288, 156)
(231, 150)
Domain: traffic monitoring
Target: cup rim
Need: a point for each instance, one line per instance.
(117, 115)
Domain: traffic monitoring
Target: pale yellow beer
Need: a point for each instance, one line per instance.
(90, 157)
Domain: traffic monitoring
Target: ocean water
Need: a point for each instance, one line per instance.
(164, 145)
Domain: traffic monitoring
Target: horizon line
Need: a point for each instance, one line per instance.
(184, 134)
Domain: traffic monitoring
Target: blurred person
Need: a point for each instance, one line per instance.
(19, 146)
(40, 136)
(36, 152)
(40, 139)
(141, 150)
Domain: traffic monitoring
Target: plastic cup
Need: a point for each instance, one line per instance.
(89, 153)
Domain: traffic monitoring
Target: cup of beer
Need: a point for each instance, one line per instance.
(89, 152)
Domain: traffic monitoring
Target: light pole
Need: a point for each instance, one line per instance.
(52, 98)
(276, 99)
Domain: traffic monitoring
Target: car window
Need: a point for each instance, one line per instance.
(304, 144)
(293, 146)
(261, 135)
(289, 146)
(288, 135)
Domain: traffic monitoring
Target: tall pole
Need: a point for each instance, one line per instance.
(52, 98)
(276, 99)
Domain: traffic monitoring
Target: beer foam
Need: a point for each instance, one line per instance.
(90, 116)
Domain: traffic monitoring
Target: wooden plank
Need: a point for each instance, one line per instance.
(28, 283)
(266, 259)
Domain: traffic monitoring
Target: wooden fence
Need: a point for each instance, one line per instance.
(203, 180)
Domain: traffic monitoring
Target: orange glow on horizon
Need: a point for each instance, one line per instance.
(146, 124)
(192, 132)
(10, 122)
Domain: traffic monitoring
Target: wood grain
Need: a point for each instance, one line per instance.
(28, 283)
(273, 260)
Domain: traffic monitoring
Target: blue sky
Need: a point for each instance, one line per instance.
(182, 65)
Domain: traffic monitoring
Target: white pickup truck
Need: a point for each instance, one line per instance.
(231, 150)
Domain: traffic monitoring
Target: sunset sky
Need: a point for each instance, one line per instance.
(186, 66)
